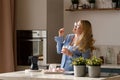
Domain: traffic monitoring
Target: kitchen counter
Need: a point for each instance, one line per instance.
(22, 75)
(110, 68)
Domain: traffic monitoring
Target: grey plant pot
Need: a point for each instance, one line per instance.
(79, 71)
(94, 71)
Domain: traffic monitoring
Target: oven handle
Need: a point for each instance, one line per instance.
(35, 40)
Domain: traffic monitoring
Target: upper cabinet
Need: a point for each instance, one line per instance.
(30, 14)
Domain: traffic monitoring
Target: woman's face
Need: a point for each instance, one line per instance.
(77, 28)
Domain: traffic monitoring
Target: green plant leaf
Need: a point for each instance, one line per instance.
(79, 61)
(94, 61)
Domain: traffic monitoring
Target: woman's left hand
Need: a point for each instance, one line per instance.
(66, 51)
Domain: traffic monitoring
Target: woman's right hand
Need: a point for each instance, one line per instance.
(66, 52)
(61, 32)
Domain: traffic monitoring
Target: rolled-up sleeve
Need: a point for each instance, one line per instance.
(59, 45)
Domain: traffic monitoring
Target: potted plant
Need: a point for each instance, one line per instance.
(92, 3)
(79, 66)
(75, 4)
(94, 65)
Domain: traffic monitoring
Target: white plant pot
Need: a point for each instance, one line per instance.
(79, 71)
(94, 71)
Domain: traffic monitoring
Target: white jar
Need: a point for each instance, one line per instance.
(110, 56)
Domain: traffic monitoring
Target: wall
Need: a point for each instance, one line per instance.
(106, 24)
(30, 14)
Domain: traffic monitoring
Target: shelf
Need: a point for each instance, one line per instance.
(101, 9)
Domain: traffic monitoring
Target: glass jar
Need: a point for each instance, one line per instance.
(109, 56)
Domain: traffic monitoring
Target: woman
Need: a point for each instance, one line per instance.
(75, 45)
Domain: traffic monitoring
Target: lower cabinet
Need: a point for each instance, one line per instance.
(110, 70)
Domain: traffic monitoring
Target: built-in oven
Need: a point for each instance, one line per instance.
(30, 43)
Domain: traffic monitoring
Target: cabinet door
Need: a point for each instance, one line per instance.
(31, 14)
(110, 70)
(54, 23)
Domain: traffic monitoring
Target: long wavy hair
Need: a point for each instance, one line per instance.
(87, 40)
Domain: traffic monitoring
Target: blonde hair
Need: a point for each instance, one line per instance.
(87, 40)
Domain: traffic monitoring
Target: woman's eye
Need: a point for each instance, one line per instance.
(75, 24)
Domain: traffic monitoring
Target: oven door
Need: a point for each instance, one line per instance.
(28, 47)
(37, 48)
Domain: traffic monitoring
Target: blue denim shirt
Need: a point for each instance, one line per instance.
(67, 60)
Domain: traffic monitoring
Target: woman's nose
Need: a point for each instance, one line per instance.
(74, 28)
